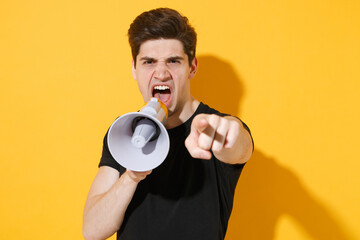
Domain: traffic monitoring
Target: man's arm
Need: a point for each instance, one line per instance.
(107, 201)
(225, 136)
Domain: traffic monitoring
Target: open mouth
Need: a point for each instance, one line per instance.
(163, 93)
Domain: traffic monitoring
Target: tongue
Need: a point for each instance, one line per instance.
(163, 96)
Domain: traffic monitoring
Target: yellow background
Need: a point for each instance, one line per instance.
(290, 69)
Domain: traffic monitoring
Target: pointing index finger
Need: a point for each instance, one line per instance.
(201, 123)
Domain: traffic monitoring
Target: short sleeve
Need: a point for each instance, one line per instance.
(107, 159)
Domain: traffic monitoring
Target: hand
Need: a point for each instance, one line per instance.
(137, 176)
(212, 132)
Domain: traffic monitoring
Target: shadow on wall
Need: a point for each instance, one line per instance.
(266, 191)
(217, 85)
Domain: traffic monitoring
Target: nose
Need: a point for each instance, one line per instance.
(161, 71)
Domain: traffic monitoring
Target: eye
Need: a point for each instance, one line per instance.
(147, 62)
(174, 61)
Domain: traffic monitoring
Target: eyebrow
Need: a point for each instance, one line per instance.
(174, 58)
(147, 58)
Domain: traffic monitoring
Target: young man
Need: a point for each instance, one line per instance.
(190, 195)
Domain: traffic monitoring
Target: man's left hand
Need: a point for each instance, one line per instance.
(212, 132)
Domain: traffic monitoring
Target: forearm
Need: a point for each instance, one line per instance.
(104, 213)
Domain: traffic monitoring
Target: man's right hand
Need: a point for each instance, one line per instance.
(137, 176)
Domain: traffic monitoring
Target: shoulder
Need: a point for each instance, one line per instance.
(204, 108)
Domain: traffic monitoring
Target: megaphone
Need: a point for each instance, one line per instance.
(138, 140)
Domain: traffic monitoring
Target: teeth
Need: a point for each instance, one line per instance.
(162, 87)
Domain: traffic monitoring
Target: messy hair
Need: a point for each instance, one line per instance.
(162, 23)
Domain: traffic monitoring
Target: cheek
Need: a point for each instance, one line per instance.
(142, 87)
(143, 81)
(182, 80)
(143, 77)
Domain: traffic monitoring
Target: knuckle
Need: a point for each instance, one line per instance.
(235, 127)
(225, 123)
(216, 148)
(205, 142)
(214, 119)
(187, 142)
(204, 145)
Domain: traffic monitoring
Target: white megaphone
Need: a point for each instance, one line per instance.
(138, 140)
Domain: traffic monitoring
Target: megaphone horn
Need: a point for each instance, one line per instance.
(139, 140)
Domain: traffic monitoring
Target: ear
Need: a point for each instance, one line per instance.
(133, 70)
(193, 67)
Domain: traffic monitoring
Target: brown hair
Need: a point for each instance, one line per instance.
(163, 23)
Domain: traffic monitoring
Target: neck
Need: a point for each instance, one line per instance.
(182, 115)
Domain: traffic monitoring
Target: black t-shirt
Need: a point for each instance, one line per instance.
(183, 198)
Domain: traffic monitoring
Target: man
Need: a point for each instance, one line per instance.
(190, 195)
